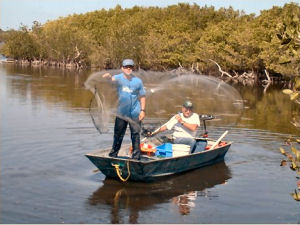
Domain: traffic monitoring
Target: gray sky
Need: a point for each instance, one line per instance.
(13, 13)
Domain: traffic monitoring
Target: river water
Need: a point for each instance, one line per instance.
(46, 130)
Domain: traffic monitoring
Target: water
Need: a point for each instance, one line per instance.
(45, 178)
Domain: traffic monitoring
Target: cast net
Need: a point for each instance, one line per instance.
(165, 93)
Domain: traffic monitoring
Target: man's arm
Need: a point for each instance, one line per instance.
(164, 126)
(161, 129)
(190, 126)
(143, 107)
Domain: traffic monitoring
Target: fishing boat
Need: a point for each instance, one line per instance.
(153, 166)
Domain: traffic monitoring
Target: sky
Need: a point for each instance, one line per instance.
(15, 13)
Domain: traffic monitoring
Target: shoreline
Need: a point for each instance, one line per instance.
(246, 78)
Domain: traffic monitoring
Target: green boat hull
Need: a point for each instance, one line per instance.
(152, 168)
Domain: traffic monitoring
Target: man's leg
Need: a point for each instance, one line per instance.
(186, 141)
(199, 146)
(135, 129)
(119, 132)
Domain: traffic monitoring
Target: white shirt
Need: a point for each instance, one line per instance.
(179, 129)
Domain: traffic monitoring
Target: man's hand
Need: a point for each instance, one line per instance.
(142, 115)
(149, 134)
(178, 118)
(107, 75)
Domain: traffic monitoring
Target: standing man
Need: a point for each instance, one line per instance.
(131, 108)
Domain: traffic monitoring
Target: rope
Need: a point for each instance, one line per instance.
(119, 172)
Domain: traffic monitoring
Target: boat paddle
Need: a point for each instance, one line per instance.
(218, 141)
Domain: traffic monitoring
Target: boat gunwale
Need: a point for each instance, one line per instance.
(93, 154)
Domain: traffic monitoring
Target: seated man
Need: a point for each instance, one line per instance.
(184, 126)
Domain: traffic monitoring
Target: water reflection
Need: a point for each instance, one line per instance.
(272, 111)
(49, 85)
(183, 190)
(185, 202)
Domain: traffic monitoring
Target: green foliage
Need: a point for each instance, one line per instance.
(3, 35)
(281, 46)
(65, 42)
(20, 45)
(293, 158)
(165, 38)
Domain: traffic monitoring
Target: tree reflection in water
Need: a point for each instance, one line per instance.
(182, 189)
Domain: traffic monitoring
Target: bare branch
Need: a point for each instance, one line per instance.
(220, 69)
(267, 82)
(267, 74)
(77, 52)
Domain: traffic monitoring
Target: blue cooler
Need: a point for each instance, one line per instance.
(164, 150)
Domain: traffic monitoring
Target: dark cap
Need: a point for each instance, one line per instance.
(188, 104)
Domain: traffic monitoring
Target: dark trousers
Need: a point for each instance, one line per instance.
(119, 132)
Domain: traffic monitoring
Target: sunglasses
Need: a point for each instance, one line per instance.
(128, 67)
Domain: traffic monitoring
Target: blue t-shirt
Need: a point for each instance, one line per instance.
(129, 92)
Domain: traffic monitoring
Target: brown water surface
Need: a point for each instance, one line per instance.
(45, 178)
